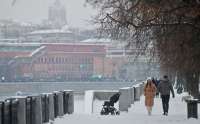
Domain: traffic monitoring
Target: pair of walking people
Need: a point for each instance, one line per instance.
(164, 88)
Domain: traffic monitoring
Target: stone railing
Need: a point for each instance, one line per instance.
(45, 107)
(128, 96)
(90, 95)
(36, 109)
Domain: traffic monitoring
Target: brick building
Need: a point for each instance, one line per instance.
(68, 61)
(51, 62)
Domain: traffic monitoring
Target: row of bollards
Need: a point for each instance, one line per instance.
(129, 95)
(36, 109)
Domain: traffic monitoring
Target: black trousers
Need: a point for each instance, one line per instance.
(165, 102)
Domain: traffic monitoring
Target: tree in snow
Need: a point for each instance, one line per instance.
(169, 29)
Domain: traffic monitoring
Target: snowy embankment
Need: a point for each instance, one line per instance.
(137, 114)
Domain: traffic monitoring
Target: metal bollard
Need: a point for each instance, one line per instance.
(58, 103)
(68, 101)
(65, 102)
(37, 105)
(28, 111)
(45, 108)
(36, 109)
(71, 102)
(51, 106)
(55, 96)
(14, 104)
(32, 107)
(21, 110)
(1, 112)
(6, 112)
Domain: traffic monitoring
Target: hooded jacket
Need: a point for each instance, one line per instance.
(164, 87)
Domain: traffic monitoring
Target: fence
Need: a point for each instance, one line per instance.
(36, 109)
(129, 95)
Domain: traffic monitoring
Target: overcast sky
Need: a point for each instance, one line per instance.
(37, 10)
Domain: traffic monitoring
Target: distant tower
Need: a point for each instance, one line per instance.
(57, 14)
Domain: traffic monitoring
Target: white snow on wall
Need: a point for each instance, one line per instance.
(89, 97)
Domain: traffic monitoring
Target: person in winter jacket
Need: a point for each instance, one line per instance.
(149, 93)
(156, 82)
(164, 88)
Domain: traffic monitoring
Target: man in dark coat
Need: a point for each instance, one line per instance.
(156, 82)
(164, 87)
(114, 98)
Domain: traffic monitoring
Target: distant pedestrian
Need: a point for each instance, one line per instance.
(149, 93)
(164, 88)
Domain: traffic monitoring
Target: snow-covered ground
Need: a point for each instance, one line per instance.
(137, 114)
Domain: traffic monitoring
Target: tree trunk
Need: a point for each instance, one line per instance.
(192, 79)
(181, 81)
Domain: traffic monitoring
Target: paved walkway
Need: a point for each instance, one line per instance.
(137, 115)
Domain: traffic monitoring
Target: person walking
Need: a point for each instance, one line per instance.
(149, 93)
(164, 88)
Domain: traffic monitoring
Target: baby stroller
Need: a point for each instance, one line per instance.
(108, 106)
(109, 109)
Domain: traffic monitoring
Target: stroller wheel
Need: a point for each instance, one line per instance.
(103, 112)
(112, 113)
(117, 112)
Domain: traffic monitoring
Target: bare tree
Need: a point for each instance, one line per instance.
(172, 26)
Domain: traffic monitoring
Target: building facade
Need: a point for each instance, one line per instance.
(68, 62)
(51, 62)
